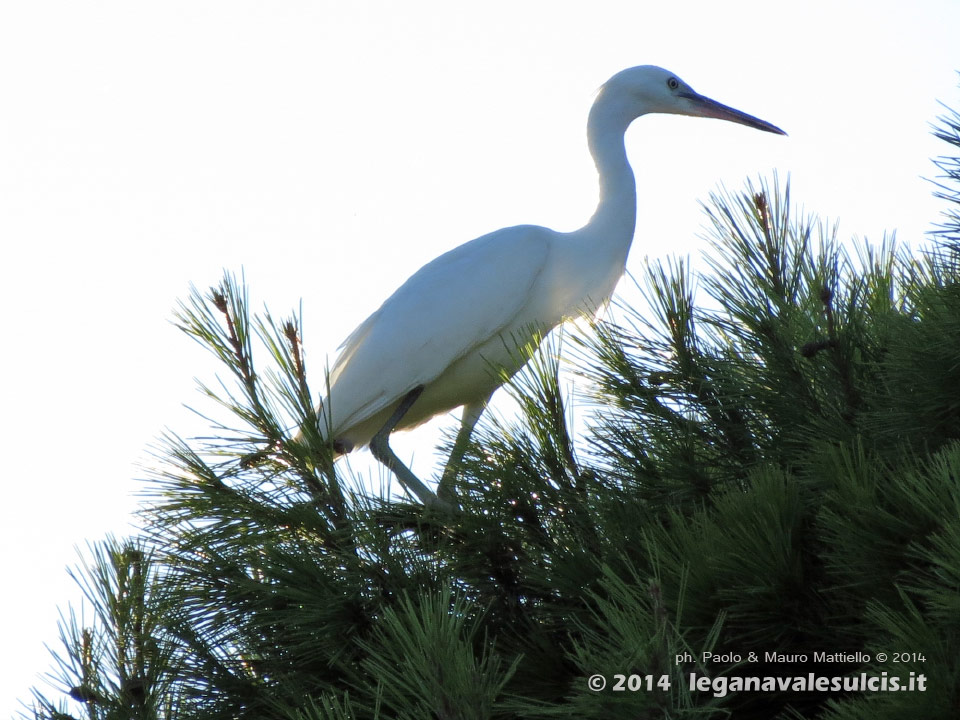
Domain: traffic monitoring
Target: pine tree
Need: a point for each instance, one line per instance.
(770, 467)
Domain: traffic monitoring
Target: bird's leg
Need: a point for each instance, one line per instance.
(471, 413)
(381, 450)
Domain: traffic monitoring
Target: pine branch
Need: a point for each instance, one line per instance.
(771, 464)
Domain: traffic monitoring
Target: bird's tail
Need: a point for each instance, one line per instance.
(317, 429)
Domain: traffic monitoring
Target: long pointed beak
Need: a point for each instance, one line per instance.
(705, 107)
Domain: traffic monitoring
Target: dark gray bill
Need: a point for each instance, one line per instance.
(713, 109)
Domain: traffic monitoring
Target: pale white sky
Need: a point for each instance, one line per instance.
(329, 149)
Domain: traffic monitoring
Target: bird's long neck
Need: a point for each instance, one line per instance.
(613, 224)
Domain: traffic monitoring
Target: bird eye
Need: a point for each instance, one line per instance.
(673, 83)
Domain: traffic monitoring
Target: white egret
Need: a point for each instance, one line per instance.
(434, 344)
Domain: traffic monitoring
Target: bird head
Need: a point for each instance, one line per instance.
(650, 89)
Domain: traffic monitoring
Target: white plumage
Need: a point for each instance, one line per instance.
(465, 312)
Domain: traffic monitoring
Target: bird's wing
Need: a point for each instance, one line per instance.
(451, 305)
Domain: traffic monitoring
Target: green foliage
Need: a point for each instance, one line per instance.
(124, 664)
(769, 465)
(428, 661)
